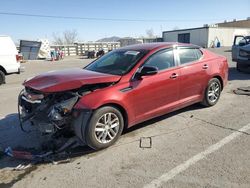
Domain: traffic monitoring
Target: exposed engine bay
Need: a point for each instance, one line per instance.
(51, 112)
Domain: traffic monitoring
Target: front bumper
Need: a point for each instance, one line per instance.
(42, 114)
(244, 62)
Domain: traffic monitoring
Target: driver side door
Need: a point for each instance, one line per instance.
(235, 47)
(157, 94)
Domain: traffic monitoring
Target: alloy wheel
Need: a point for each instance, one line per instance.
(213, 92)
(107, 127)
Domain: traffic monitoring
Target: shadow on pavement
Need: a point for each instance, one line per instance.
(236, 75)
(12, 136)
(163, 117)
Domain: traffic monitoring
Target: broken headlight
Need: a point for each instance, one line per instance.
(63, 108)
(244, 53)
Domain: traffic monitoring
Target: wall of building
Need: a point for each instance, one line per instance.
(239, 24)
(198, 36)
(224, 35)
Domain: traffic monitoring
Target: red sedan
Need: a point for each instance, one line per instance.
(122, 88)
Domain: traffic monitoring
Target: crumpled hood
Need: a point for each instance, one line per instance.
(56, 81)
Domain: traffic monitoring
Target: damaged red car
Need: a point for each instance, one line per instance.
(121, 89)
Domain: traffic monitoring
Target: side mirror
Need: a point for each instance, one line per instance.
(146, 71)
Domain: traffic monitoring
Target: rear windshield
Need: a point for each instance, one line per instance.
(117, 62)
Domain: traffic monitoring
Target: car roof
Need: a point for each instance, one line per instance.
(156, 45)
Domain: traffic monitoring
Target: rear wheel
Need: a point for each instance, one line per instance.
(212, 93)
(2, 77)
(104, 128)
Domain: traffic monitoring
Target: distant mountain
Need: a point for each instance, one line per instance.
(109, 39)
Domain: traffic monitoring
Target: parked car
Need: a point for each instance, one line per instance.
(91, 54)
(121, 89)
(241, 52)
(100, 53)
(9, 58)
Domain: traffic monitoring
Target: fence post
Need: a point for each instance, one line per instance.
(76, 48)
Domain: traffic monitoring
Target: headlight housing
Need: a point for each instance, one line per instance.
(244, 53)
(67, 105)
(63, 108)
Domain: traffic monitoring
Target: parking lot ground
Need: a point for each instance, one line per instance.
(192, 147)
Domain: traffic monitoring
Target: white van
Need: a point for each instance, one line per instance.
(9, 58)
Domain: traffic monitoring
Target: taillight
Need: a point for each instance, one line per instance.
(19, 57)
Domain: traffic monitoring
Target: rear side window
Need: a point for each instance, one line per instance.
(188, 55)
(199, 53)
(162, 60)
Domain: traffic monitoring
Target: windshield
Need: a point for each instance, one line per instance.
(247, 39)
(117, 62)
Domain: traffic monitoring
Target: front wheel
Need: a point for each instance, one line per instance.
(2, 77)
(212, 93)
(104, 128)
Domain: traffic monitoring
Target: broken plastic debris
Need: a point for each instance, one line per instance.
(60, 162)
(242, 91)
(18, 154)
(22, 167)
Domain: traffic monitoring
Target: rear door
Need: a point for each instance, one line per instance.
(156, 94)
(235, 47)
(193, 74)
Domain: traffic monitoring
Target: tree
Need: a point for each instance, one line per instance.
(68, 37)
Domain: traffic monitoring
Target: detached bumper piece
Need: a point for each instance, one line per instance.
(61, 154)
(242, 91)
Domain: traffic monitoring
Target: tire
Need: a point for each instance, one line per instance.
(238, 67)
(212, 93)
(2, 77)
(99, 136)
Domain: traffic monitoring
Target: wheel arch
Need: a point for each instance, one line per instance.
(220, 79)
(3, 69)
(121, 109)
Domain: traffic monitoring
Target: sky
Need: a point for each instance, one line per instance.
(141, 15)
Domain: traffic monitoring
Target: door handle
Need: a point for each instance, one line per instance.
(174, 75)
(205, 66)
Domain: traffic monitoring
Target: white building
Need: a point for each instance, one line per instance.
(209, 36)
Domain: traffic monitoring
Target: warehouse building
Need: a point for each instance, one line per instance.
(220, 34)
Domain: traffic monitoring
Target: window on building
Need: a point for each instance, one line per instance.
(184, 37)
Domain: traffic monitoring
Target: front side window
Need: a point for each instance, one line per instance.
(238, 39)
(188, 55)
(117, 62)
(162, 60)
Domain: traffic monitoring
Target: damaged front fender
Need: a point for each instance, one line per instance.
(81, 120)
